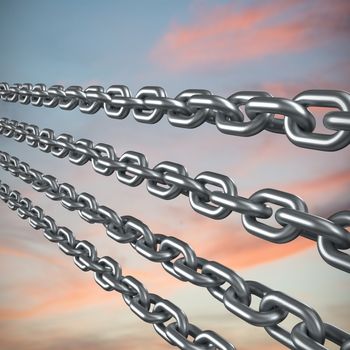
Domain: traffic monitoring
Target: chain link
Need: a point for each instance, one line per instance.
(167, 180)
(236, 297)
(191, 108)
(149, 307)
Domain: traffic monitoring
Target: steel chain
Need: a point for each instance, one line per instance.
(274, 306)
(191, 108)
(167, 180)
(148, 307)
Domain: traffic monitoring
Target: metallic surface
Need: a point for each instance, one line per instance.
(108, 275)
(167, 180)
(236, 297)
(191, 108)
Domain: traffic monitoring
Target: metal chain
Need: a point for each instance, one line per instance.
(168, 180)
(149, 307)
(178, 259)
(193, 107)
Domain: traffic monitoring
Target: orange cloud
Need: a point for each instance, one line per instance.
(318, 186)
(253, 251)
(334, 76)
(227, 241)
(69, 290)
(22, 253)
(226, 35)
(73, 298)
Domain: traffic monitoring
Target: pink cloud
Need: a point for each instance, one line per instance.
(76, 294)
(19, 252)
(225, 35)
(227, 241)
(336, 182)
(335, 76)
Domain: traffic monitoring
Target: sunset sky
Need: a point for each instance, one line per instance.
(283, 47)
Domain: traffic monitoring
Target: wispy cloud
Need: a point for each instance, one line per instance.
(335, 75)
(225, 35)
(227, 241)
(317, 186)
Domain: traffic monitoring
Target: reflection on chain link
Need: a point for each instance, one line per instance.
(191, 108)
(168, 180)
(236, 297)
(148, 307)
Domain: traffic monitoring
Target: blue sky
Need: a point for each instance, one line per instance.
(153, 43)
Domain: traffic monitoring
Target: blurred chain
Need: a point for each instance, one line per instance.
(148, 307)
(168, 180)
(193, 107)
(179, 260)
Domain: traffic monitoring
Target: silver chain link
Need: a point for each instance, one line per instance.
(167, 180)
(178, 259)
(191, 108)
(149, 307)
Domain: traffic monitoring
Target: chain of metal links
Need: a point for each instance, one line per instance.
(168, 180)
(179, 260)
(168, 320)
(191, 108)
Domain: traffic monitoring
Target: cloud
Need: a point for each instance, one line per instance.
(70, 300)
(334, 76)
(231, 245)
(225, 35)
(68, 289)
(19, 252)
(315, 187)
(227, 242)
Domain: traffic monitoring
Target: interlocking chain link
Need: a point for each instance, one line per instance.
(191, 108)
(108, 275)
(168, 180)
(179, 259)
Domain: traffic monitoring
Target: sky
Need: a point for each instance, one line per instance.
(282, 47)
